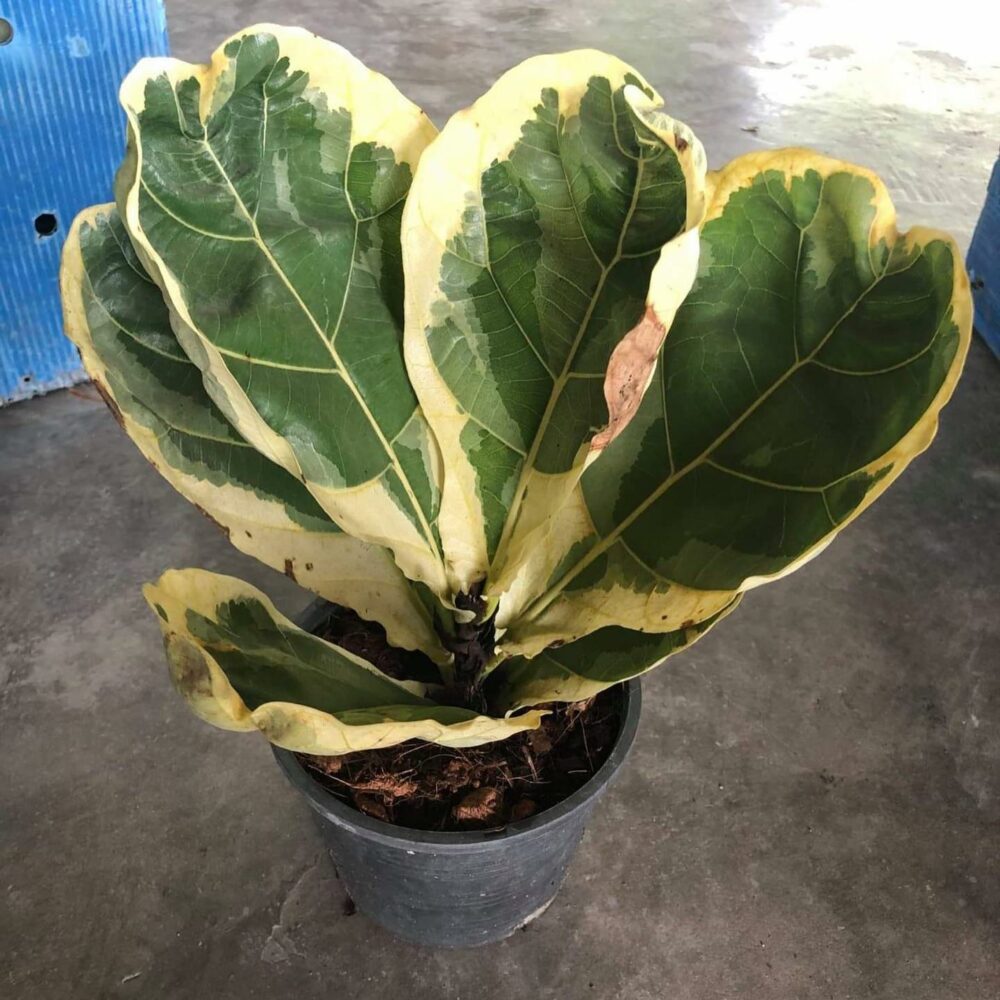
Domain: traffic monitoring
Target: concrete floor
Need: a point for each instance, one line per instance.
(812, 805)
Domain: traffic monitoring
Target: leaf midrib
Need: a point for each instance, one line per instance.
(528, 464)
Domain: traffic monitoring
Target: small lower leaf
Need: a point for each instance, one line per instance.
(584, 668)
(242, 665)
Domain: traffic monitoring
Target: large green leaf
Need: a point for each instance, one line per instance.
(802, 374)
(534, 222)
(242, 665)
(118, 319)
(264, 192)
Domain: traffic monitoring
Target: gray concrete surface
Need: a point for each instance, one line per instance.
(812, 808)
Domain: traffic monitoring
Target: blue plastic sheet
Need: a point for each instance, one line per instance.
(62, 137)
(984, 265)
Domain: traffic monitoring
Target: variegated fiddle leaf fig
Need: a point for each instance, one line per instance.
(624, 392)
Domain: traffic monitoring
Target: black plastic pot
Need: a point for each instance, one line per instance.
(458, 890)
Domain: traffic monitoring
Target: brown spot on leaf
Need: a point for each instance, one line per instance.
(682, 143)
(278, 722)
(187, 668)
(289, 569)
(309, 566)
(632, 363)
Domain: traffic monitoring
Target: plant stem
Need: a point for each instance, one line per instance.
(473, 647)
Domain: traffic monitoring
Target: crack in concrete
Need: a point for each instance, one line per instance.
(279, 946)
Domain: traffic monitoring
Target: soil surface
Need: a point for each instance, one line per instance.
(429, 787)
(368, 640)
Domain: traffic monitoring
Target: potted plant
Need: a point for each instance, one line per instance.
(531, 402)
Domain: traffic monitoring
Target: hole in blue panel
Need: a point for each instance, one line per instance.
(6, 31)
(46, 224)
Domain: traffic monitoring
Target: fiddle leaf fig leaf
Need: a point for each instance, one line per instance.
(581, 669)
(532, 227)
(242, 665)
(264, 192)
(117, 318)
(802, 374)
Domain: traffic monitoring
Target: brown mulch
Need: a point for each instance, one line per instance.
(368, 640)
(429, 787)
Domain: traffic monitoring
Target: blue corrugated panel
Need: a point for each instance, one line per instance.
(61, 137)
(984, 265)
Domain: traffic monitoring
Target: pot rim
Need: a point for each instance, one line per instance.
(329, 806)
